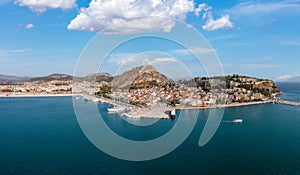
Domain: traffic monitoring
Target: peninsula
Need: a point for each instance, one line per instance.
(145, 88)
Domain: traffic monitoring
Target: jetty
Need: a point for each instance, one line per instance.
(285, 102)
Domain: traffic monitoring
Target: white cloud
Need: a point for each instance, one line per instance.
(197, 51)
(143, 60)
(249, 8)
(283, 78)
(139, 25)
(135, 16)
(41, 6)
(133, 60)
(29, 26)
(16, 53)
(202, 7)
(124, 14)
(161, 61)
(216, 24)
(211, 23)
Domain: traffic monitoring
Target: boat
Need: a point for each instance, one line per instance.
(237, 121)
(131, 115)
(173, 114)
(116, 109)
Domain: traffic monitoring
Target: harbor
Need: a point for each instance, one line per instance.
(164, 111)
(158, 111)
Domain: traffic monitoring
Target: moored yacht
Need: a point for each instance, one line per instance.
(116, 109)
(131, 115)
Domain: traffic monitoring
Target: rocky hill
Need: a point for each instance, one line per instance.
(140, 77)
(264, 86)
(52, 77)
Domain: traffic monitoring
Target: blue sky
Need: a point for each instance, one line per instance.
(256, 38)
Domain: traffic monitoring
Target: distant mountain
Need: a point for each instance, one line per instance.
(143, 76)
(12, 78)
(58, 77)
(294, 80)
(99, 77)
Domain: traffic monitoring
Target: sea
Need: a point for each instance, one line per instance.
(41, 135)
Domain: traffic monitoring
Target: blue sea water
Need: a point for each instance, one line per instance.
(42, 136)
(291, 91)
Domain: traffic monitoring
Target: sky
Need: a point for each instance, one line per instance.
(258, 38)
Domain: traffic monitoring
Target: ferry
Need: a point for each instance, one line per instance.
(237, 121)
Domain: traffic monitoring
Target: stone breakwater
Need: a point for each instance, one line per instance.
(285, 102)
(162, 110)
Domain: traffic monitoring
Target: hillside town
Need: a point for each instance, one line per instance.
(145, 86)
(55, 84)
(199, 94)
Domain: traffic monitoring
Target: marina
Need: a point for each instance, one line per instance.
(163, 111)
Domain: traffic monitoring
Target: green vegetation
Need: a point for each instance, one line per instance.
(174, 102)
(132, 87)
(137, 103)
(104, 91)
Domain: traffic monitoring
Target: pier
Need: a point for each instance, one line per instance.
(285, 102)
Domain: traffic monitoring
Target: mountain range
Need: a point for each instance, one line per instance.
(12, 78)
(58, 77)
(294, 80)
(143, 76)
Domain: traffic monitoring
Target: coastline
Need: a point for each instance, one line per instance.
(147, 112)
(226, 106)
(36, 95)
(144, 112)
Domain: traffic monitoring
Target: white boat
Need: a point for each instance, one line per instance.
(237, 121)
(116, 109)
(173, 112)
(131, 115)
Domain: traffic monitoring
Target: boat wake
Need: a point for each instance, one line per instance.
(227, 121)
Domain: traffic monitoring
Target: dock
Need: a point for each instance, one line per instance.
(159, 111)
